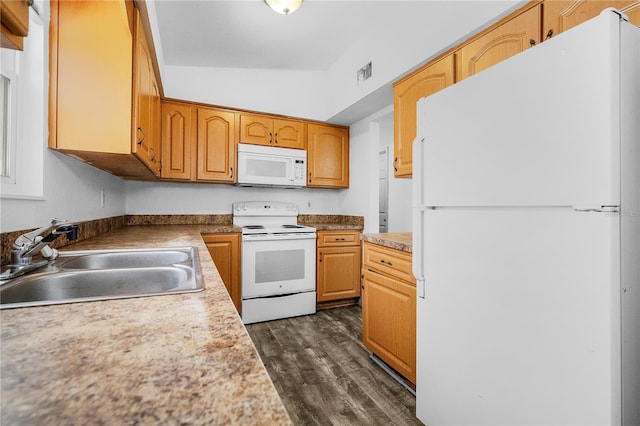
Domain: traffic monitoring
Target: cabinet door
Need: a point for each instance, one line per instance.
(560, 15)
(389, 321)
(406, 93)
(289, 133)
(256, 129)
(179, 143)
(328, 156)
(90, 86)
(508, 39)
(14, 15)
(216, 145)
(225, 252)
(146, 134)
(338, 273)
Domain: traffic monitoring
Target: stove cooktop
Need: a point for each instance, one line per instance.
(276, 229)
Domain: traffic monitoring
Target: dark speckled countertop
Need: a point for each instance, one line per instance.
(172, 359)
(396, 240)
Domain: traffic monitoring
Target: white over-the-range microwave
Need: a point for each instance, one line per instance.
(271, 166)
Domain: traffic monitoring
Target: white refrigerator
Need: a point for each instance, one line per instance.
(526, 237)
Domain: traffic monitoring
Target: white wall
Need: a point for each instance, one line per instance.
(71, 191)
(66, 188)
(191, 198)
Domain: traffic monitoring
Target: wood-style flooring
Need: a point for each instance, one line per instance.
(323, 373)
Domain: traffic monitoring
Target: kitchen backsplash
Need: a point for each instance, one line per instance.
(95, 227)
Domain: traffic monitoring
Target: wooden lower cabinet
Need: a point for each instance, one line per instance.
(338, 267)
(224, 249)
(389, 308)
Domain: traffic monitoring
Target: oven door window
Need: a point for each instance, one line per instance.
(272, 268)
(279, 265)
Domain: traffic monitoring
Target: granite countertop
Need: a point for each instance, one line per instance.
(334, 226)
(396, 240)
(174, 359)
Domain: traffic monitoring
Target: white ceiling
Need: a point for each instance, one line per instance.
(320, 36)
(248, 34)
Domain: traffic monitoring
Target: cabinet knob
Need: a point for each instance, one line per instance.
(532, 42)
(549, 34)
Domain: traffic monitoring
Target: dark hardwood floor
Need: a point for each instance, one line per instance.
(323, 373)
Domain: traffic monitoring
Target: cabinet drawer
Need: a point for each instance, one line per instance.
(338, 238)
(390, 261)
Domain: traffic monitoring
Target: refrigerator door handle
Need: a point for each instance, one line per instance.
(417, 266)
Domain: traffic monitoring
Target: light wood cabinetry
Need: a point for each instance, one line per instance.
(265, 130)
(560, 15)
(224, 249)
(389, 307)
(504, 41)
(338, 266)
(14, 23)
(179, 140)
(198, 143)
(327, 156)
(216, 145)
(406, 93)
(91, 87)
(146, 103)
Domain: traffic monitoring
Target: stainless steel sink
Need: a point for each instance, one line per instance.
(81, 276)
(121, 259)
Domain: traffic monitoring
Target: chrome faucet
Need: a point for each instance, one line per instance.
(29, 244)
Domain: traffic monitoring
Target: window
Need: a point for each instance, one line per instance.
(23, 115)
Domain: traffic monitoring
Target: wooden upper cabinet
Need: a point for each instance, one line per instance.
(91, 87)
(508, 39)
(146, 103)
(14, 20)
(327, 156)
(560, 15)
(216, 145)
(179, 141)
(264, 130)
(406, 93)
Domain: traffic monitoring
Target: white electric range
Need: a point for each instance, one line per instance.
(278, 261)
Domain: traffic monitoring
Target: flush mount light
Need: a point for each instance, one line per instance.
(284, 7)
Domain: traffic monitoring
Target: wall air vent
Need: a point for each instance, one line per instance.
(364, 73)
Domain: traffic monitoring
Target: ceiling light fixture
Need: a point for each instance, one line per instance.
(284, 7)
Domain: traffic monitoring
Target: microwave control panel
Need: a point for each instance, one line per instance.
(299, 172)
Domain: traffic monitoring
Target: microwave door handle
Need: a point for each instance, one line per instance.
(291, 171)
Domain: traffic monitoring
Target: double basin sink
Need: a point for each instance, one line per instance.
(90, 275)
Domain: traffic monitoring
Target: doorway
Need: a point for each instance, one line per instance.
(383, 189)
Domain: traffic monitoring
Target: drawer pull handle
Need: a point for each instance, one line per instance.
(340, 239)
(386, 262)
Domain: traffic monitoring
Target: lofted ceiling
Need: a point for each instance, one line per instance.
(320, 36)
